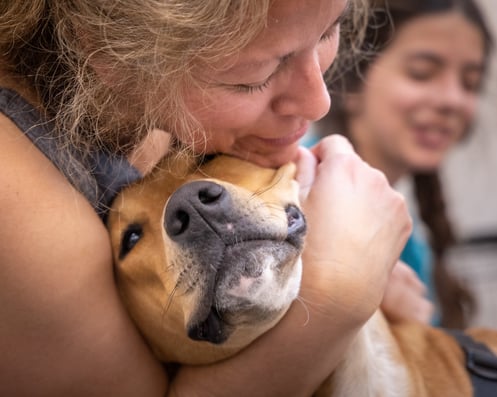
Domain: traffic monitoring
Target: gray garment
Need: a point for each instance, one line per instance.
(98, 177)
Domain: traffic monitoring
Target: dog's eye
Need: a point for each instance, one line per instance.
(131, 236)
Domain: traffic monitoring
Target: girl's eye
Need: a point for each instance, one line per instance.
(472, 82)
(422, 70)
(420, 74)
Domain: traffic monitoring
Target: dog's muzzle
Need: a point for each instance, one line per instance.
(221, 236)
(202, 207)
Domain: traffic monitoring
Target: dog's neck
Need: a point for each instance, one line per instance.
(372, 366)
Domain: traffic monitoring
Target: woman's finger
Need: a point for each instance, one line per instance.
(306, 171)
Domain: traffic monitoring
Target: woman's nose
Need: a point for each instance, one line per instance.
(305, 93)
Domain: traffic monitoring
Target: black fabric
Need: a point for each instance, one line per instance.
(481, 364)
(99, 176)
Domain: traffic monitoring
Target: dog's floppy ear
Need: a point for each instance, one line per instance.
(178, 164)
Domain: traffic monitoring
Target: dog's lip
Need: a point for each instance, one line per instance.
(232, 264)
(278, 246)
(211, 329)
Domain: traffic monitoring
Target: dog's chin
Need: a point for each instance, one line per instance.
(249, 292)
(239, 327)
(224, 334)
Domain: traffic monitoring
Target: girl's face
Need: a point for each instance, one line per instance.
(419, 95)
(260, 104)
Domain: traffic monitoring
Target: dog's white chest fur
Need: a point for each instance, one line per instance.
(369, 368)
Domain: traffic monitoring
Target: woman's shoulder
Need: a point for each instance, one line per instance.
(60, 307)
(40, 206)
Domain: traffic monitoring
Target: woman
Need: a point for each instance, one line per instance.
(407, 103)
(82, 84)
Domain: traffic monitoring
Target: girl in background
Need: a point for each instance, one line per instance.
(403, 106)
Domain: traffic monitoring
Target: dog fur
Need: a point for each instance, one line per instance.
(207, 259)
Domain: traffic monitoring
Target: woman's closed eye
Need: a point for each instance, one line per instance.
(251, 88)
(262, 85)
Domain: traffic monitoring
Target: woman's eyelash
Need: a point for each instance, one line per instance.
(336, 26)
(252, 88)
(328, 35)
(246, 88)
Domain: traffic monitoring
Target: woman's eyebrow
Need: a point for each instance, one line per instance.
(252, 65)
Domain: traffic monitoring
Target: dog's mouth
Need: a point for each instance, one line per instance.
(239, 260)
(211, 329)
(248, 269)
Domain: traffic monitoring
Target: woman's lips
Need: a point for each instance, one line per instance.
(287, 139)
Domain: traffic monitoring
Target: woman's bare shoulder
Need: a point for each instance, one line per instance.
(63, 329)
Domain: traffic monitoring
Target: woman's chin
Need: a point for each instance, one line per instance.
(270, 158)
(273, 159)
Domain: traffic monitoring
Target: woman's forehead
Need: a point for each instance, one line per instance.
(292, 25)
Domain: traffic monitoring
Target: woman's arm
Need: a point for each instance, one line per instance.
(63, 330)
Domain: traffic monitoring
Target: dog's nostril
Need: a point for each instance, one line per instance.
(194, 208)
(179, 223)
(210, 193)
(295, 219)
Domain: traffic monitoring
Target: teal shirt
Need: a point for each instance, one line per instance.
(418, 255)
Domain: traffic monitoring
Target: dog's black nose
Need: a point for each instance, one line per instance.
(195, 208)
(296, 225)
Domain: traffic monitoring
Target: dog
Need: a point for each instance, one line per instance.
(207, 259)
(206, 264)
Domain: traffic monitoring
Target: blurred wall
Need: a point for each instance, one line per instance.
(470, 174)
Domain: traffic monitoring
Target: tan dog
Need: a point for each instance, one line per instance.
(206, 266)
(207, 259)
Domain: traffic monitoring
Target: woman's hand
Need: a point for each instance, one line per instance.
(405, 297)
(357, 227)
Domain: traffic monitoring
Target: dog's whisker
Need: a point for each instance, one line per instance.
(263, 190)
(169, 301)
(304, 305)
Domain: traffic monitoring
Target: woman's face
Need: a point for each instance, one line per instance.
(419, 95)
(261, 104)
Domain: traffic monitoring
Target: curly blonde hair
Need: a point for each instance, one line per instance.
(70, 51)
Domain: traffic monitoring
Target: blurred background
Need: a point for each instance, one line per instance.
(470, 181)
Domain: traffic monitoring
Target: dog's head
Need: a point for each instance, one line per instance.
(207, 258)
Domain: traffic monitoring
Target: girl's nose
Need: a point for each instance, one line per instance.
(454, 96)
(305, 93)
